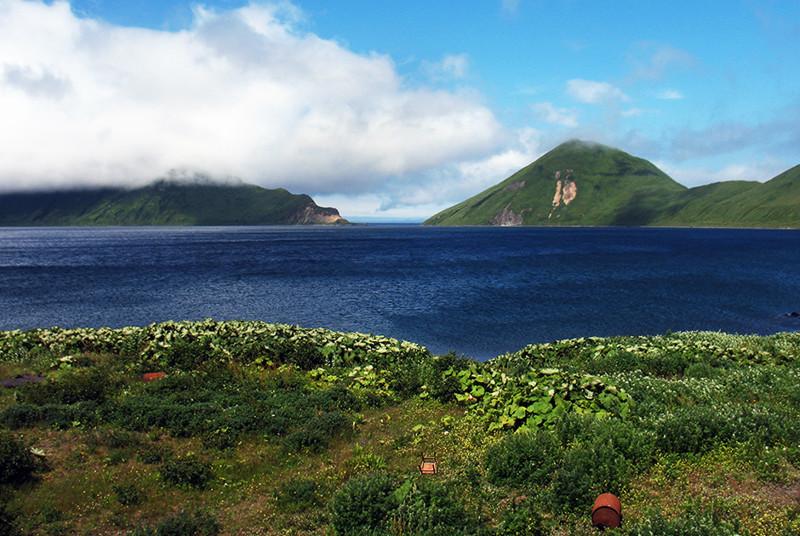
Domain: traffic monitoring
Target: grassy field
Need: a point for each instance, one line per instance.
(259, 428)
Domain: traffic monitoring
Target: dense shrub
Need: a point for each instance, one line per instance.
(16, 461)
(316, 434)
(197, 523)
(21, 416)
(129, 494)
(7, 527)
(334, 398)
(627, 439)
(297, 493)
(698, 523)
(522, 517)
(117, 439)
(428, 508)
(586, 471)
(524, 459)
(187, 355)
(153, 454)
(439, 386)
(186, 472)
(362, 503)
(701, 428)
(302, 354)
(91, 384)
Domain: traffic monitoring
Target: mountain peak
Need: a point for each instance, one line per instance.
(584, 183)
(577, 183)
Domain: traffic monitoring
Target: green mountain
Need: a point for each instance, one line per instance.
(165, 202)
(588, 184)
(775, 203)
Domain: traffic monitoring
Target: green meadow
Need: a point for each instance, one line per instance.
(258, 428)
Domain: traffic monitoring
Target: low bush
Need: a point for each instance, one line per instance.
(317, 433)
(362, 503)
(526, 459)
(440, 386)
(428, 508)
(627, 439)
(187, 355)
(118, 439)
(197, 523)
(58, 416)
(522, 517)
(16, 461)
(698, 523)
(700, 428)
(80, 385)
(7, 527)
(189, 472)
(297, 494)
(586, 471)
(153, 454)
(129, 494)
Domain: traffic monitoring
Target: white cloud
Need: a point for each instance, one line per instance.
(633, 112)
(241, 93)
(658, 60)
(545, 111)
(510, 6)
(455, 65)
(459, 180)
(450, 67)
(669, 94)
(591, 92)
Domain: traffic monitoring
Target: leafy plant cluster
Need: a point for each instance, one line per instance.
(567, 467)
(184, 345)
(538, 397)
(376, 504)
(662, 355)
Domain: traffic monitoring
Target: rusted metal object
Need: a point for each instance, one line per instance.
(153, 376)
(607, 511)
(429, 465)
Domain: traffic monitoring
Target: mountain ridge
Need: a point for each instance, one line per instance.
(165, 202)
(581, 183)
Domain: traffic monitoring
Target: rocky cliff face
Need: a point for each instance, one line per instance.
(313, 214)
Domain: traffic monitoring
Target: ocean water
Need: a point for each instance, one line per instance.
(479, 291)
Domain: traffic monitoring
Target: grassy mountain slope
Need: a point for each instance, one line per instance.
(610, 187)
(775, 203)
(613, 188)
(164, 203)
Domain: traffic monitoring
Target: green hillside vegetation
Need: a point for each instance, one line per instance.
(775, 203)
(609, 187)
(164, 203)
(259, 428)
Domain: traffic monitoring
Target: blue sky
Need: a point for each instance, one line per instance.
(391, 110)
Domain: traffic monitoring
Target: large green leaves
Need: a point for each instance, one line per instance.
(536, 398)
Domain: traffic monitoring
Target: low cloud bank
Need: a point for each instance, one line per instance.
(242, 93)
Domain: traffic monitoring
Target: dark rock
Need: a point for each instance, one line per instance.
(22, 379)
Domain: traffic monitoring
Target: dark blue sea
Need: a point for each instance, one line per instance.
(478, 291)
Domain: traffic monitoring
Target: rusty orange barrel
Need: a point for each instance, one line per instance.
(152, 376)
(607, 511)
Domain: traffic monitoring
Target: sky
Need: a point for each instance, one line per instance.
(391, 111)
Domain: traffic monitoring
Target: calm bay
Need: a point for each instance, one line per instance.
(479, 291)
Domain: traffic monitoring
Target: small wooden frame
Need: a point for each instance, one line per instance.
(429, 465)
